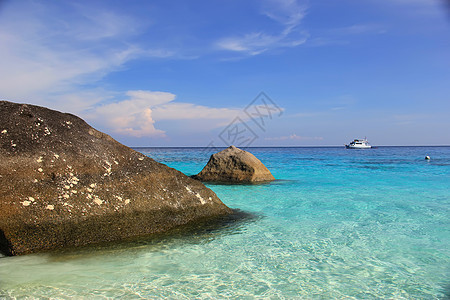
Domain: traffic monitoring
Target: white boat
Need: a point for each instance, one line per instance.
(359, 144)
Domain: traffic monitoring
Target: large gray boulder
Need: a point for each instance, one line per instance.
(65, 184)
(234, 165)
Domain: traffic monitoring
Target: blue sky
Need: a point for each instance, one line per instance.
(178, 73)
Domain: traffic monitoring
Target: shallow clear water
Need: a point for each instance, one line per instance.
(338, 223)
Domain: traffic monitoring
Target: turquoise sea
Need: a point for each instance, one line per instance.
(345, 224)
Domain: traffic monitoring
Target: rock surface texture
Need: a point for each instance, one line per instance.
(65, 184)
(234, 165)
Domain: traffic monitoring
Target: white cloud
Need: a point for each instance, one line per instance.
(133, 117)
(189, 111)
(287, 13)
(45, 54)
(149, 98)
(79, 102)
(259, 42)
(252, 43)
(95, 24)
(136, 116)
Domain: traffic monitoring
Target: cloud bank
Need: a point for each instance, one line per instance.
(136, 115)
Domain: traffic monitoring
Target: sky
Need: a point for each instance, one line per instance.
(221, 72)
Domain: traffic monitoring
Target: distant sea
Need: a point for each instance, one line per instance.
(346, 224)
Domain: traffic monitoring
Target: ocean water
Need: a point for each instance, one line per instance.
(345, 224)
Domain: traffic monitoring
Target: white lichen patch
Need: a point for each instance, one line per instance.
(210, 199)
(202, 201)
(35, 180)
(107, 168)
(66, 196)
(67, 187)
(26, 203)
(13, 144)
(118, 197)
(47, 131)
(56, 156)
(116, 162)
(93, 185)
(141, 158)
(4, 131)
(40, 170)
(175, 204)
(89, 196)
(39, 160)
(74, 191)
(68, 123)
(50, 207)
(31, 199)
(127, 201)
(89, 190)
(188, 189)
(98, 201)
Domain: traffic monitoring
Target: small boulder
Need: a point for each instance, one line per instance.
(234, 165)
(65, 184)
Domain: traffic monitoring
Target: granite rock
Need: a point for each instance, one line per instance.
(234, 165)
(65, 184)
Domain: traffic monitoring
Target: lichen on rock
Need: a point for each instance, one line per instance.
(61, 189)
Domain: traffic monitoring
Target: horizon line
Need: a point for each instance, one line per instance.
(309, 146)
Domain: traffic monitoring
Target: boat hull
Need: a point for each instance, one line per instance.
(357, 147)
